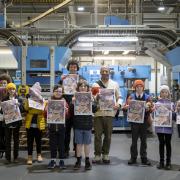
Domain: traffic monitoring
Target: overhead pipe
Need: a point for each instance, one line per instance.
(166, 37)
(11, 38)
(43, 14)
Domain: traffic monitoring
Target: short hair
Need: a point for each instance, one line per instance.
(58, 86)
(104, 68)
(5, 77)
(73, 62)
(82, 83)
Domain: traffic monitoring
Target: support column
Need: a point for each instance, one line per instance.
(169, 76)
(23, 64)
(156, 76)
(52, 71)
(96, 12)
(138, 12)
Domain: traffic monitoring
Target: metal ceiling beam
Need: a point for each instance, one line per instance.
(37, 1)
(152, 52)
(44, 14)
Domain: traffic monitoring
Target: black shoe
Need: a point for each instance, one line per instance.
(62, 165)
(146, 162)
(88, 165)
(168, 167)
(77, 165)
(160, 165)
(132, 161)
(52, 164)
(66, 155)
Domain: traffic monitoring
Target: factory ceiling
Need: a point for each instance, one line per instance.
(104, 6)
(127, 9)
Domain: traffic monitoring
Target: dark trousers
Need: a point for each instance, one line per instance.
(9, 132)
(56, 141)
(69, 126)
(102, 125)
(139, 130)
(165, 140)
(178, 126)
(34, 133)
(2, 139)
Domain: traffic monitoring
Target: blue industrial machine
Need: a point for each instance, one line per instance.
(125, 76)
(38, 64)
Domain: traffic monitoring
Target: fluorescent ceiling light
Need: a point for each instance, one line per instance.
(127, 52)
(161, 8)
(105, 52)
(114, 58)
(5, 51)
(108, 39)
(85, 44)
(80, 8)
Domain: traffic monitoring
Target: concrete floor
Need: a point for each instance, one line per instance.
(118, 169)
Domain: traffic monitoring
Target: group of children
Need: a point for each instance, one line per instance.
(140, 129)
(35, 124)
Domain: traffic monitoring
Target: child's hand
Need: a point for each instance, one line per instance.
(73, 100)
(17, 104)
(116, 107)
(125, 107)
(63, 76)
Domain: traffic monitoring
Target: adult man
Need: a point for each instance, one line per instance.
(73, 68)
(103, 118)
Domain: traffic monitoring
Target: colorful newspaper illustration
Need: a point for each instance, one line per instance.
(83, 103)
(136, 111)
(11, 111)
(163, 115)
(106, 99)
(70, 83)
(35, 104)
(56, 112)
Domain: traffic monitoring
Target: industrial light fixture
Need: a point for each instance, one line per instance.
(108, 39)
(127, 52)
(105, 52)
(5, 51)
(80, 8)
(85, 44)
(161, 7)
(114, 58)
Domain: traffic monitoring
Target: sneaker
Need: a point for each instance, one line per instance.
(132, 161)
(168, 167)
(77, 165)
(106, 159)
(52, 164)
(88, 165)
(97, 159)
(160, 165)
(39, 158)
(146, 162)
(29, 160)
(62, 165)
